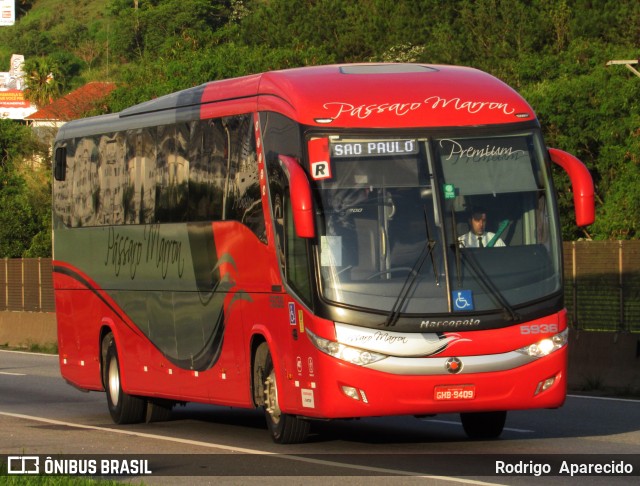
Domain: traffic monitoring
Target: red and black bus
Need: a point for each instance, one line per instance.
(293, 240)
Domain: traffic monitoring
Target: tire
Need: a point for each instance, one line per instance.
(284, 428)
(124, 408)
(158, 410)
(483, 425)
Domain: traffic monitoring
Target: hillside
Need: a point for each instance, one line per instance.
(553, 52)
(73, 34)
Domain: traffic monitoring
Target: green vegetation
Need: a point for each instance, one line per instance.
(25, 194)
(56, 481)
(553, 51)
(46, 348)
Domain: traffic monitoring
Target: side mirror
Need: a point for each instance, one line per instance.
(582, 183)
(60, 164)
(301, 200)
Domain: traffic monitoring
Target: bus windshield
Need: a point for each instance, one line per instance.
(397, 231)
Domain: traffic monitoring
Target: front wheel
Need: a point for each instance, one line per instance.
(483, 425)
(158, 410)
(284, 428)
(124, 408)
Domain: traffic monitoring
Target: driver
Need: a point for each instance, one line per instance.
(478, 236)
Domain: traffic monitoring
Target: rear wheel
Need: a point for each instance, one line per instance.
(284, 428)
(483, 425)
(124, 408)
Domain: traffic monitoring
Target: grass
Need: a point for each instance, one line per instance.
(55, 481)
(24, 480)
(47, 348)
(33, 347)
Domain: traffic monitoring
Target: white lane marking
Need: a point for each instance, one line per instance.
(611, 399)
(453, 422)
(22, 352)
(209, 445)
(15, 351)
(525, 431)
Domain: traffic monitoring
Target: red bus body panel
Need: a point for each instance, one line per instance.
(431, 98)
(257, 304)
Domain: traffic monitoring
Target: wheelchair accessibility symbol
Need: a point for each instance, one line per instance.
(462, 300)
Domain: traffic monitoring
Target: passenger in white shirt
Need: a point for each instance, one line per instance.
(478, 237)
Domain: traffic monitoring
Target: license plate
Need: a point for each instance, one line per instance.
(454, 392)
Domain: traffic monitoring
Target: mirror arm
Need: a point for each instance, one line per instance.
(582, 183)
(301, 199)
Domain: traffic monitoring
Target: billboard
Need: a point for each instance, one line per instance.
(7, 12)
(13, 98)
(13, 103)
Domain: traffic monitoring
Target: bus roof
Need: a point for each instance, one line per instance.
(396, 95)
(347, 95)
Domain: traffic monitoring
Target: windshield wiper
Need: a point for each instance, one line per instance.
(480, 274)
(488, 285)
(403, 295)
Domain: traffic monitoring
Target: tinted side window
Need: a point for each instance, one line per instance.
(172, 173)
(208, 174)
(197, 171)
(244, 202)
(140, 191)
(62, 201)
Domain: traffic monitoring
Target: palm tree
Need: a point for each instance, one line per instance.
(41, 80)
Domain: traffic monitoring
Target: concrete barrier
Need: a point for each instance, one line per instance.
(598, 361)
(604, 361)
(23, 329)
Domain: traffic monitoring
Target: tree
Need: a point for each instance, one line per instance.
(25, 203)
(593, 112)
(17, 224)
(42, 81)
(551, 51)
(165, 28)
(9, 133)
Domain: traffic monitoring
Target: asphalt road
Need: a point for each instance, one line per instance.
(40, 415)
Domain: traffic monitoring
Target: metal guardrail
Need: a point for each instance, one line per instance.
(602, 285)
(26, 284)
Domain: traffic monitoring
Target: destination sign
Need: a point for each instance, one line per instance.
(374, 148)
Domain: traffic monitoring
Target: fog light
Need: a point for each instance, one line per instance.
(351, 392)
(545, 385)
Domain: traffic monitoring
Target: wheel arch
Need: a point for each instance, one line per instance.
(259, 337)
(107, 327)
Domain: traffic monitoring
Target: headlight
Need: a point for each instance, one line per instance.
(356, 356)
(546, 346)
